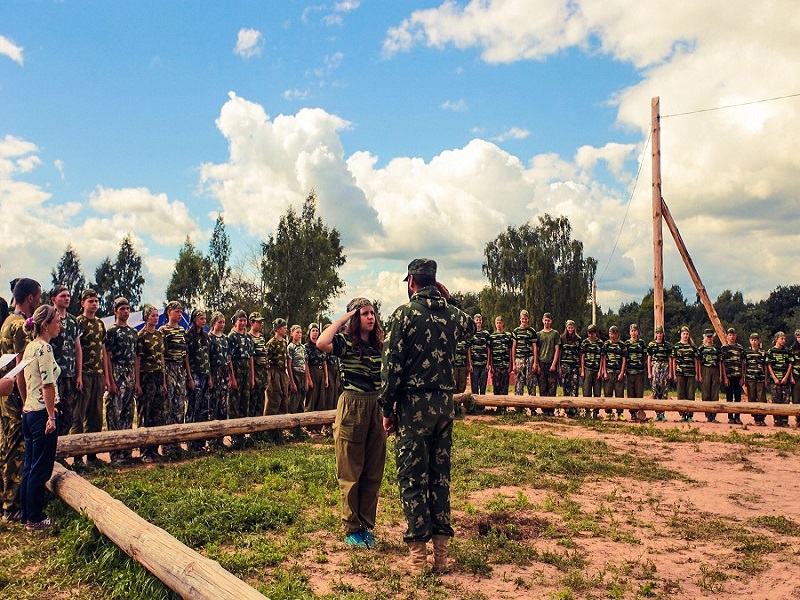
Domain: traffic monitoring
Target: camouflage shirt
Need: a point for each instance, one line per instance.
(461, 354)
(241, 345)
(297, 352)
(13, 338)
(219, 351)
(500, 349)
(795, 351)
(174, 343)
(525, 338)
(659, 351)
(684, 355)
(755, 361)
(93, 336)
(614, 353)
(259, 349)
(277, 354)
(479, 348)
(121, 345)
(197, 346)
(420, 346)
(708, 355)
(637, 350)
(732, 356)
(780, 359)
(592, 351)
(64, 346)
(571, 352)
(361, 372)
(150, 350)
(314, 356)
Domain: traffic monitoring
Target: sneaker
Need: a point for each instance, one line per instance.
(609, 417)
(689, 419)
(43, 524)
(356, 539)
(620, 417)
(369, 539)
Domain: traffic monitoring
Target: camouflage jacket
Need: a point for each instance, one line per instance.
(420, 346)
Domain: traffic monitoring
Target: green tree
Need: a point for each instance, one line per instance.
(104, 281)
(300, 265)
(186, 283)
(216, 292)
(128, 271)
(68, 273)
(540, 268)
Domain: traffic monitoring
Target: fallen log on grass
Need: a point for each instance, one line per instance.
(186, 572)
(126, 439)
(571, 402)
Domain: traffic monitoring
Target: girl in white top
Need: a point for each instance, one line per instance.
(39, 415)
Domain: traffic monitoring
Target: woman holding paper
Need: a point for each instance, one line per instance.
(39, 413)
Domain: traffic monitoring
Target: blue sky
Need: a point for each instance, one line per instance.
(426, 128)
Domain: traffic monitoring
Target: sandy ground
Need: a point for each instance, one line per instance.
(653, 558)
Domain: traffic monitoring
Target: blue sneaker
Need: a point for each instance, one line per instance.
(369, 539)
(356, 539)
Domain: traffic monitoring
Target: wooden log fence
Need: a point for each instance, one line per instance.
(183, 570)
(646, 404)
(127, 439)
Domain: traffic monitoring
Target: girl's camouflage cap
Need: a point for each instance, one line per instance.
(421, 266)
(357, 303)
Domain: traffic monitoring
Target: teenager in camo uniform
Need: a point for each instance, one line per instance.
(478, 356)
(120, 355)
(523, 356)
(591, 358)
(612, 369)
(659, 352)
(177, 369)
(67, 352)
(197, 403)
(709, 374)
(499, 357)
(570, 363)
(732, 369)
(755, 370)
(545, 361)
(87, 416)
(242, 380)
(684, 365)
(219, 358)
(779, 368)
(151, 383)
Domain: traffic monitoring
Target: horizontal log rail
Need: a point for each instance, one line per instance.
(126, 439)
(752, 408)
(183, 570)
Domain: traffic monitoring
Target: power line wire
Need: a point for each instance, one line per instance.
(627, 208)
(692, 112)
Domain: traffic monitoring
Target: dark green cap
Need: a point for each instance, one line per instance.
(278, 323)
(255, 316)
(421, 266)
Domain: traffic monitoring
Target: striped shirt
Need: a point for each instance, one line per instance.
(359, 373)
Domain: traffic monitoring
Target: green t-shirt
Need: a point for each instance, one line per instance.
(460, 359)
(175, 348)
(277, 353)
(548, 341)
(659, 351)
(197, 346)
(571, 352)
(780, 359)
(708, 355)
(259, 349)
(219, 351)
(13, 338)
(241, 345)
(64, 346)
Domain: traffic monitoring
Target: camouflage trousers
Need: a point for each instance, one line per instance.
(296, 399)
(422, 452)
(197, 405)
(12, 450)
(315, 395)
(333, 389)
(460, 374)
(150, 407)
(478, 379)
(175, 398)
(258, 394)
(239, 397)
(781, 394)
(500, 381)
(218, 395)
(757, 392)
(119, 406)
(571, 382)
(660, 380)
(66, 402)
(524, 376)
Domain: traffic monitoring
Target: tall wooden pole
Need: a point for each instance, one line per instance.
(687, 260)
(658, 237)
(594, 302)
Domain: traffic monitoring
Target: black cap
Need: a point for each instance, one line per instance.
(421, 266)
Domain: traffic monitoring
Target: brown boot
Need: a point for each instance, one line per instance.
(417, 561)
(440, 562)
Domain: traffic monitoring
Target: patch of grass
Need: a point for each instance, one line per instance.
(779, 524)
(711, 578)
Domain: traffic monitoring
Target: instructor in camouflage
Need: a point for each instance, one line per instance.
(417, 399)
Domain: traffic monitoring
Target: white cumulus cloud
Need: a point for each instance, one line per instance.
(249, 43)
(11, 50)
